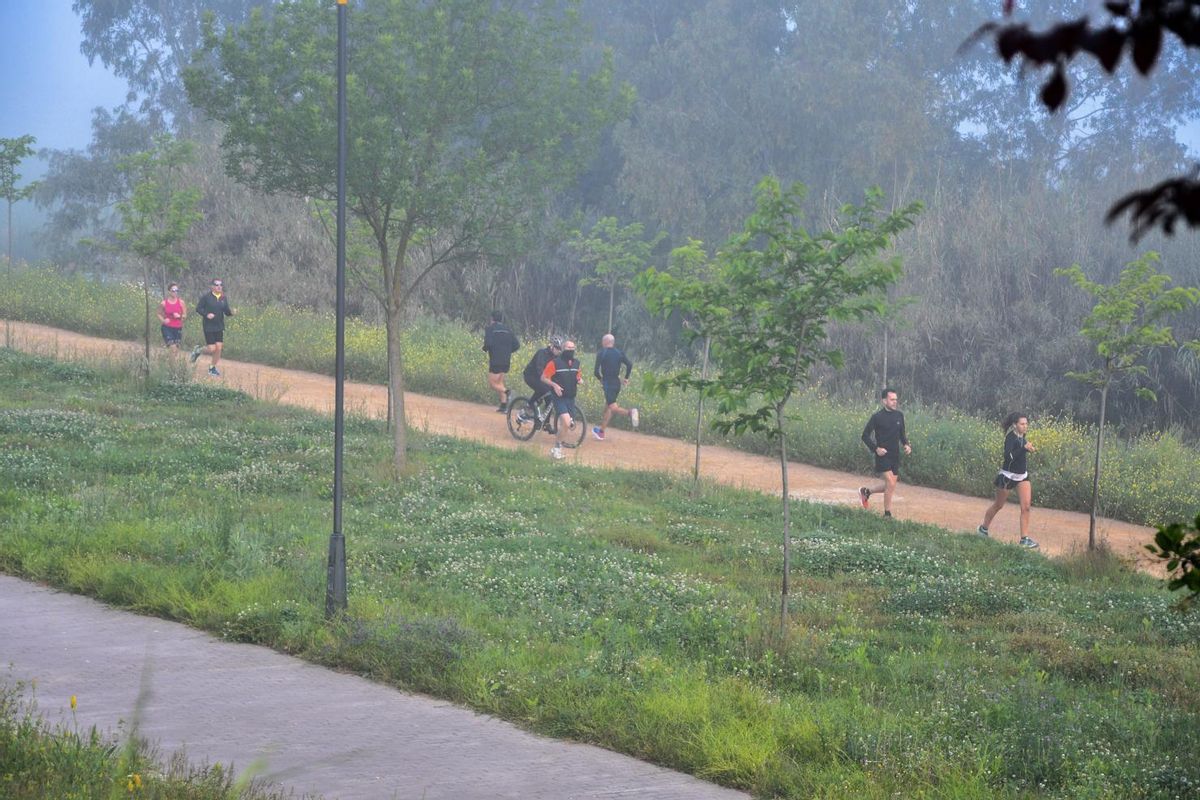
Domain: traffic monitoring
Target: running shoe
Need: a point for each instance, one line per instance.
(213, 371)
(887, 515)
(196, 351)
(556, 452)
(502, 408)
(982, 531)
(864, 496)
(633, 417)
(599, 434)
(1027, 542)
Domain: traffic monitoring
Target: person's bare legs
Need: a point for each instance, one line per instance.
(1025, 496)
(994, 508)
(609, 410)
(496, 381)
(887, 485)
(215, 349)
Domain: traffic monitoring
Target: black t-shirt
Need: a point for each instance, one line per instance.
(533, 370)
(500, 343)
(885, 429)
(1015, 454)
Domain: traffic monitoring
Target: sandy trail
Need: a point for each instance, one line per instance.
(1059, 532)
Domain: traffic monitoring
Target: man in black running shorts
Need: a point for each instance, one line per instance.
(885, 437)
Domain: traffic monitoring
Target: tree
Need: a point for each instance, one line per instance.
(462, 119)
(12, 153)
(1138, 28)
(776, 291)
(156, 218)
(616, 254)
(149, 43)
(1124, 326)
(1179, 546)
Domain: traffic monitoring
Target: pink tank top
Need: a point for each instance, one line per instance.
(170, 309)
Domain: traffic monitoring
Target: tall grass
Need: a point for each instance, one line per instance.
(40, 761)
(607, 606)
(1147, 480)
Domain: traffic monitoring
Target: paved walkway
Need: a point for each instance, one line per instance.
(295, 724)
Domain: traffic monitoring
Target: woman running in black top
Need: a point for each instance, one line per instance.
(1013, 475)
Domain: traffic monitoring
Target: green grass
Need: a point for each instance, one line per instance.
(40, 761)
(1148, 480)
(607, 606)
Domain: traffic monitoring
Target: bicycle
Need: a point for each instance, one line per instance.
(524, 420)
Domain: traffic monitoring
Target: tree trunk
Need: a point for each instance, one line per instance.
(787, 524)
(395, 317)
(146, 336)
(700, 417)
(1096, 471)
(884, 383)
(612, 296)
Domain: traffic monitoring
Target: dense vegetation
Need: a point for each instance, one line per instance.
(606, 606)
(1146, 479)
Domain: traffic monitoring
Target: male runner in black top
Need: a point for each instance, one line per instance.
(499, 342)
(608, 371)
(885, 437)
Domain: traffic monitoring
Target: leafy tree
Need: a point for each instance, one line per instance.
(1136, 27)
(81, 188)
(158, 215)
(1179, 546)
(462, 118)
(1124, 326)
(616, 254)
(776, 291)
(12, 153)
(149, 43)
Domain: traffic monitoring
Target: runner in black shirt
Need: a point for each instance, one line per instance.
(499, 343)
(608, 371)
(1013, 475)
(885, 437)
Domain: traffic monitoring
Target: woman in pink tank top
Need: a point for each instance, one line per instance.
(171, 313)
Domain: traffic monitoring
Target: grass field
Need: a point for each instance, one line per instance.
(1148, 480)
(606, 606)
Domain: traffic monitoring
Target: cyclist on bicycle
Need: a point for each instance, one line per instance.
(537, 365)
(563, 376)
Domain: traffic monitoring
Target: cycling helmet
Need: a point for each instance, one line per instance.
(556, 341)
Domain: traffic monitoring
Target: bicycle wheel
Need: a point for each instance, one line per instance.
(522, 419)
(573, 436)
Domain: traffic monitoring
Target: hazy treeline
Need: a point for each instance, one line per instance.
(837, 95)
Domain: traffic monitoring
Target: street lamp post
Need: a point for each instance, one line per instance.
(335, 589)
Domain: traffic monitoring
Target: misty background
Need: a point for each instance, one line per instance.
(840, 95)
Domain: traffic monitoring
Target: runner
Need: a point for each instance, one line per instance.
(499, 343)
(884, 436)
(608, 372)
(213, 308)
(563, 376)
(172, 311)
(1013, 475)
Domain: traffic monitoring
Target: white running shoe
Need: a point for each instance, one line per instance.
(633, 417)
(1027, 542)
(556, 453)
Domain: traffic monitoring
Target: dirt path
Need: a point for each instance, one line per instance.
(1059, 532)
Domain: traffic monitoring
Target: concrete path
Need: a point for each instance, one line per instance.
(299, 726)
